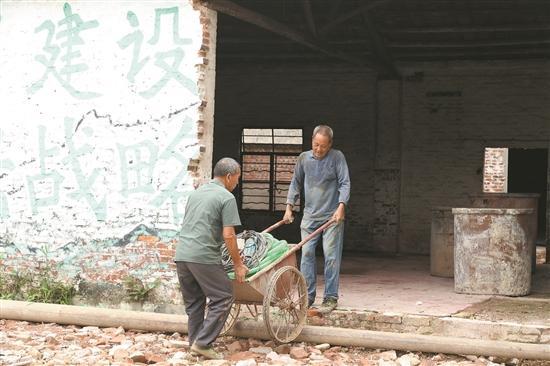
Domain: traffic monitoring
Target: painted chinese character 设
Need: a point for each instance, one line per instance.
(168, 61)
(61, 52)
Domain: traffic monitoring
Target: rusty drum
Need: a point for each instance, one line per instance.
(492, 251)
(442, 242)
(514, 200)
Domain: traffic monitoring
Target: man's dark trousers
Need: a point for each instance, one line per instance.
(198, 282)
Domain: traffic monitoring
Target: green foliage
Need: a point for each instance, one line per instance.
(40, 284)
(12, 285)
(35, 286)
(138, 291)
(50, 290)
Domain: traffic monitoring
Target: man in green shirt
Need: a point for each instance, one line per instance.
(210, 217)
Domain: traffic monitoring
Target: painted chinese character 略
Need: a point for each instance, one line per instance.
(168, 61)
(61, 52)
(137, 164)
(172, 193)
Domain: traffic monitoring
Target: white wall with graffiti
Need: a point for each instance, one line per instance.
(100, 107)
(99, 116)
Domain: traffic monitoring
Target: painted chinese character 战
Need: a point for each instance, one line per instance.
(44, 187)
(6, 165)
(85, 182)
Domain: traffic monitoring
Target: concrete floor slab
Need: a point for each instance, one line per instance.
(403, 284)
(398, 294)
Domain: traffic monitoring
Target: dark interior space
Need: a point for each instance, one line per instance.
(527, 173)
(374, 70)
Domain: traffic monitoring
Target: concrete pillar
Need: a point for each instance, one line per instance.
(387, 174)
(442, 242)
(548, 209)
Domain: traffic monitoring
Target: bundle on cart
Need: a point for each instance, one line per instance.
(257, 250)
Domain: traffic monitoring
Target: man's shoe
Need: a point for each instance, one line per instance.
(328, 305)
(206, 352)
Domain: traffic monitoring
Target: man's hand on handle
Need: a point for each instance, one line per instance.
(288, 218)
(340, 213)
(240, 272)
(230, 240)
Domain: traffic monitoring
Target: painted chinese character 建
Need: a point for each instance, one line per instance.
(64, 48)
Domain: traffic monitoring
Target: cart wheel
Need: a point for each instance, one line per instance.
(285, 304)
(253, 311)
(231, 319)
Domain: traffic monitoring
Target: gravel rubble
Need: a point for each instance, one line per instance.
(23, 343)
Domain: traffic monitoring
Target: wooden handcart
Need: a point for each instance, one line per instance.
(280, 289)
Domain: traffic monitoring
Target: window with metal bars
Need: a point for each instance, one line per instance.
(268, 157)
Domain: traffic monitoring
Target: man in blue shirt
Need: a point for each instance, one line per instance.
(210, 217)
(323, 175)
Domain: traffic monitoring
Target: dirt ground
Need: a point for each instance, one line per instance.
(523, 311)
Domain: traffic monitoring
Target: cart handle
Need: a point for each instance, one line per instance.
(293, 248)
(315, 233)
(307, 238)
(274, 226)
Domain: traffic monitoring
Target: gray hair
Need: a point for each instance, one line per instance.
(226, 166)
(323, 130)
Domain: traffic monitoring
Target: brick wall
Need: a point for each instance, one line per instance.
(202, 165)
(495, 170)
(411, 144)
(451, 113)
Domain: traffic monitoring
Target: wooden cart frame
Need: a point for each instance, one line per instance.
(280, 289)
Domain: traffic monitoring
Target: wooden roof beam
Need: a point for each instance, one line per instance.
(249, 16)
(473, 44)
(468, 29)
(344, 17)
(439, 56)
(309, 17)
(380, 50)
(402, 56)
(334, 9)
(247, 57)
(285, 41)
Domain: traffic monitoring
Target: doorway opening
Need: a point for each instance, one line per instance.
(528, 173)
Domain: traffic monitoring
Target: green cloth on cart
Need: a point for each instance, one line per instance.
(277, 248)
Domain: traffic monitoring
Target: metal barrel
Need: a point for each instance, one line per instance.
(492, 253)
(514, 200)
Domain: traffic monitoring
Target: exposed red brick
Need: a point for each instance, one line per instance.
(148, 238)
